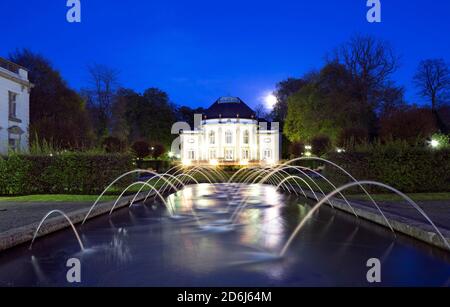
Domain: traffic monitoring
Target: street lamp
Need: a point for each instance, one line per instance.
(435, 143)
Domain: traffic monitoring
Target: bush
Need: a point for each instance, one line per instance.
(351, 137)
(412, 125)
(320, 145)
(443, 140)
(408, 169)
(67, 173)
(158, 150)
(160, 166)
(112, 144)
(141, 149)
(296, 149)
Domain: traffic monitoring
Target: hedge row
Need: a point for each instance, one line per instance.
(68, 173)
(407, 169)
(160, 166)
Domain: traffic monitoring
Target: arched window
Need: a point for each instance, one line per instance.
(246, 137)
(228, 137)
(212, 138)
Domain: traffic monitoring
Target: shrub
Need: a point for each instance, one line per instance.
(141, 149)
(412, 125)
(158, 150)
(297, 149)
(68, 173)
(14, 175)
(443, 140)
(349, 138)
(320, 145)
(408, 169)
(112, 144)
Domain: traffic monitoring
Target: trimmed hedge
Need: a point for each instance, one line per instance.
(160, 166)
(68, 173)
(408, 169)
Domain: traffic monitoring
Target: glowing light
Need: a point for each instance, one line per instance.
(186, 162)
(340, 150)
(270, 161)
(308, 147)
(243, 162)
(171, 154)
(308, 154)
(270, 101)
(213, 162)
(435, 143)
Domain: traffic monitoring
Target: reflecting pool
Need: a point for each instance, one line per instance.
(144, 246)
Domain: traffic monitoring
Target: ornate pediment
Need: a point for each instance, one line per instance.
(16, 130)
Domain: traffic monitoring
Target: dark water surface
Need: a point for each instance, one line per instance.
(142, 246)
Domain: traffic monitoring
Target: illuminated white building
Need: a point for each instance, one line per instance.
(14, 107)
(230, 133)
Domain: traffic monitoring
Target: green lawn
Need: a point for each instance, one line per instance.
(111, 194)
(55, 198)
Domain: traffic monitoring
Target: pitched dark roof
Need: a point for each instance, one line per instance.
(229, 107)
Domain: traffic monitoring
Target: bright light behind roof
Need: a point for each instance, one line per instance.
(270, 101)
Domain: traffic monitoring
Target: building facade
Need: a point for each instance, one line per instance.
(14, 107)
(230, 133)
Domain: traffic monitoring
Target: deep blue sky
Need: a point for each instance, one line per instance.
(199, 50)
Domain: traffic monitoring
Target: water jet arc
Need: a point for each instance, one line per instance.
(353, 184)
(67, 218)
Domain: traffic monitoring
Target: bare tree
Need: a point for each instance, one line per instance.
(100, 95)
(433, 81)
(261, 111)
(370, 61)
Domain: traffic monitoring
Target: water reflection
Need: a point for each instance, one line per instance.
(141, 246)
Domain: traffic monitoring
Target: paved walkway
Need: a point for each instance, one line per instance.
(437, 211)
(18, 214)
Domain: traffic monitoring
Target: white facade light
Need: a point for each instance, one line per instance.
(187, 162)
(229, 131)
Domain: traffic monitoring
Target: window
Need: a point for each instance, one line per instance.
(245, 154)
(212, 138)
(228, 137)
(12, 104)
(212, 155)
(246, 137)
(267, 154)
(229, 154)
(13, 144)
(191, 155)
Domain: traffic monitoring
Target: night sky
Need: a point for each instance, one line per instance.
(200, 50)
